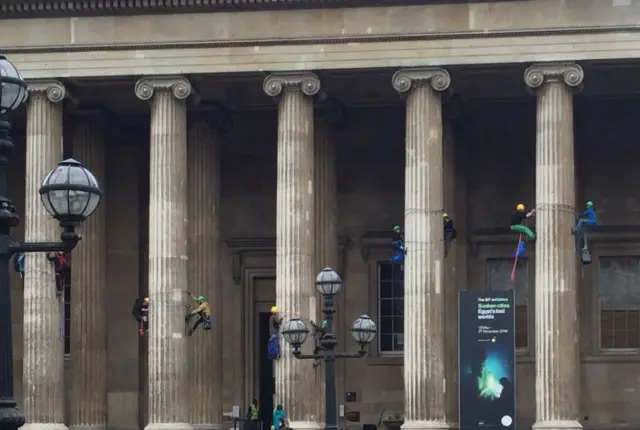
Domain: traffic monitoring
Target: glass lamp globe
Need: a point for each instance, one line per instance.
(363, 330)
(295, 332)
(13, 89)
(328, 282)
(70, 192)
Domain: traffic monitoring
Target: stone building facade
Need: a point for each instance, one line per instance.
(245, 145)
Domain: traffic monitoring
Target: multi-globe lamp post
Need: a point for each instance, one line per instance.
(295, 332)
(69, 193)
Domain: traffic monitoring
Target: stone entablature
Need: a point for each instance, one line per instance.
(328, 38)
(337, 25)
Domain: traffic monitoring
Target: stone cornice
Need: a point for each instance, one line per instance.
(11, 9)
(329, 40)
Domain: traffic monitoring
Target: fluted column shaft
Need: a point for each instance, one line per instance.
(295, 263)
(43, 372)
(424, 298)
(557, 353)
(88, 300)
(205, 369)
(326, 228)
(167, 368)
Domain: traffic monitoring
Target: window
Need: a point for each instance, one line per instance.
(619, 299)
(499, 278)
(391, 308)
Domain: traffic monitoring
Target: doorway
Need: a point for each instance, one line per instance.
(266, 376)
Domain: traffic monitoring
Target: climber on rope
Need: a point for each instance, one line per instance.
(204, 314)
(585, 220)
(141, 314)
(398, 245)
(319, 332)
(62, 266)
(273, 346)
(450, 233)
(518, 220)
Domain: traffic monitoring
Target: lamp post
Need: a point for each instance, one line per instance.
(295, 332)
(69, 193)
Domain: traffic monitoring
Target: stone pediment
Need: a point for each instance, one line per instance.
(62, 8)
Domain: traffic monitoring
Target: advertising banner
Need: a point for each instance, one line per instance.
(486, 361)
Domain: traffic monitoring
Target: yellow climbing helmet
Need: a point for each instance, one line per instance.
(274, 309)
(445, 215)
(146, 299)
(520, 207)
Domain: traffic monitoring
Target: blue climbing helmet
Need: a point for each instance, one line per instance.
(589, 204)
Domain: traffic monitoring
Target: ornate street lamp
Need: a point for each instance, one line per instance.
(295, 332)
(70, 193)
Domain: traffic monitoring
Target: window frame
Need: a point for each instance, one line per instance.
(599, 252)
(530, 329)
(376, 247)
(502, 249)
(379, 299)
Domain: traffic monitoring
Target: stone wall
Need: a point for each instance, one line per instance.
(497, 141)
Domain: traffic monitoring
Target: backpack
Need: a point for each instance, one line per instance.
(273, 347)
(62, 262)
(18, 263)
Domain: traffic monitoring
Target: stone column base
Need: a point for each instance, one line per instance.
(305, 425)
(44, 426)
(168, 426)
(425, 425)
(88, 427)
(208, 426)
(556, 425)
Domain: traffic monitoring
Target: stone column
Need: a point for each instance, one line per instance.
(424, 302)
(557, 347)
(43, 372)
(205, 369)
(451, 277)
(295, 262)
(326, 228)
(167, 368)
(88, 297)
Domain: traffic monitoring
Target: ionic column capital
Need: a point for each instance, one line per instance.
(276, 83)
(570, 74)
(406, 79)
(54, 91)
(180, 87)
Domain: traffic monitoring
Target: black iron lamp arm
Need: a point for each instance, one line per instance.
(361, 353)
(68, 240)
(300, 356)
(18, 247)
